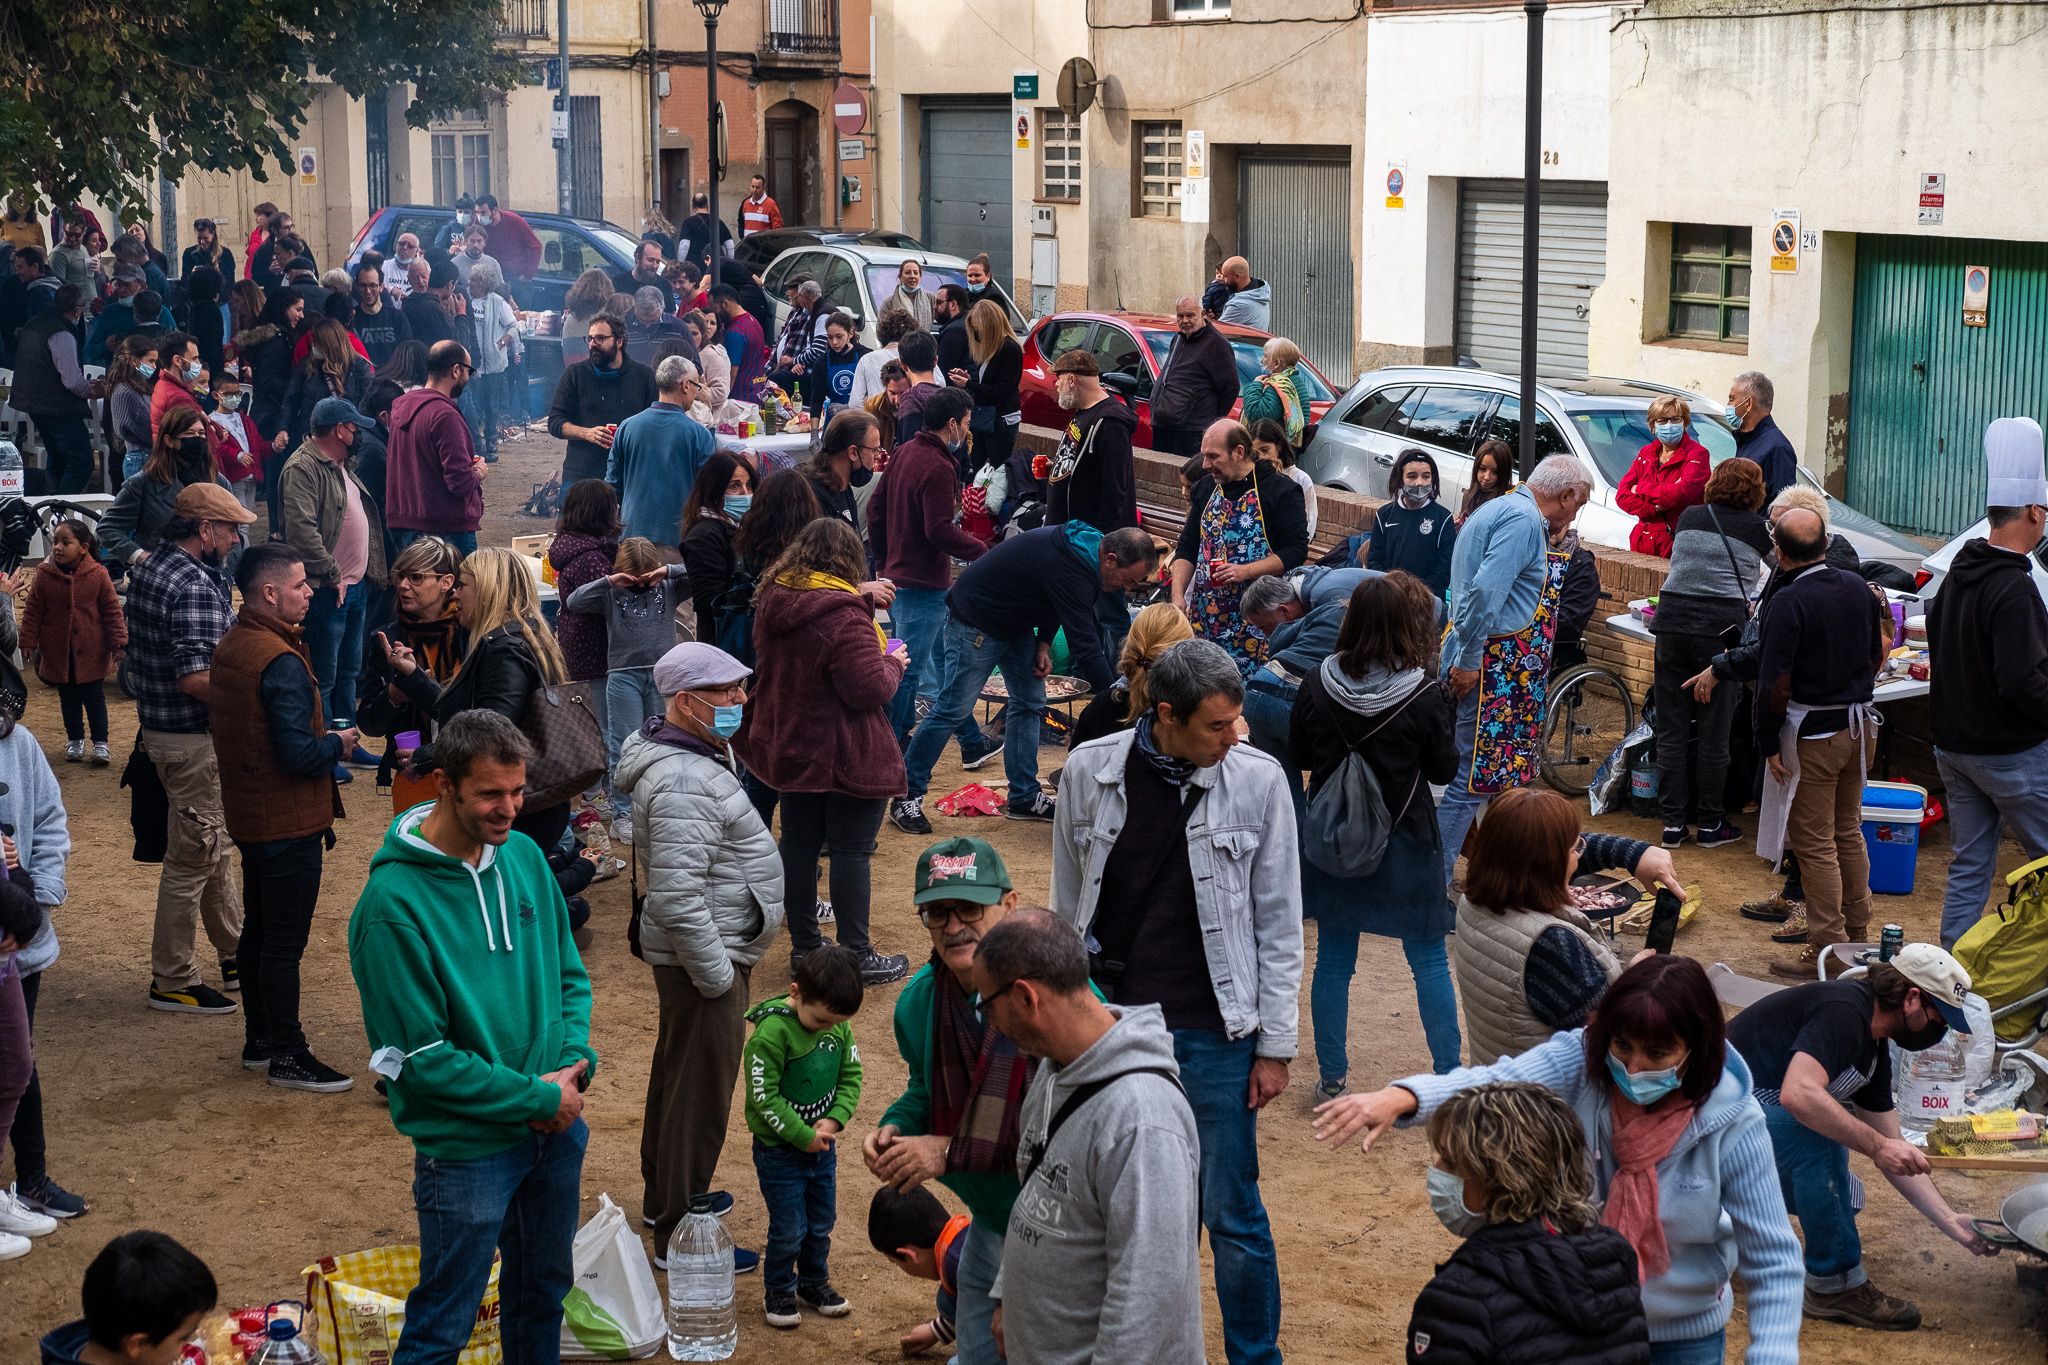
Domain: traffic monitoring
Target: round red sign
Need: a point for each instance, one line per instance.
(849, 109)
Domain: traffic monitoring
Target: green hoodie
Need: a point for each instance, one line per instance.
(469, 972)
(794, 1077)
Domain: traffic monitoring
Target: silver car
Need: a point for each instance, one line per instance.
(859, 279)
(1449, 410)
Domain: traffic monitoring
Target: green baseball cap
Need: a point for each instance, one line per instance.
(961, 870)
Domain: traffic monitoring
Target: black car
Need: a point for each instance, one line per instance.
(569, 246)
(757, 251)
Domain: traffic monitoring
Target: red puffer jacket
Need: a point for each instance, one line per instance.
(1657, 488)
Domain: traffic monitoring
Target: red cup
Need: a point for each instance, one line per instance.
(1041, 465)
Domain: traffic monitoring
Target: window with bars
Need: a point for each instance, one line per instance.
(1159, 168)
(461, 145)
(1710, 282)
(1059, 156)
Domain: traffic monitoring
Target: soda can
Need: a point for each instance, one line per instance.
(1890, 942)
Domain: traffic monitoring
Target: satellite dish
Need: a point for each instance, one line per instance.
(1075, 90)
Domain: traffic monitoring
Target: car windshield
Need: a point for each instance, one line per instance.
(1616, 435)
(1251, 360)
(882, 281)
(616, 240)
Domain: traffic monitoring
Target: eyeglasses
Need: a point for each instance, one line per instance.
(989, 1000)
(598, 336)
(935, 915)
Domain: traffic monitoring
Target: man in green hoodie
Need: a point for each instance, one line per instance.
(478, 1013)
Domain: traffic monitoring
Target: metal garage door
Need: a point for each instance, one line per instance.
(967, 182)
(1573, 254)
(1295, 231)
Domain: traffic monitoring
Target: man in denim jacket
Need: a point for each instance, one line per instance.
(1175, 835)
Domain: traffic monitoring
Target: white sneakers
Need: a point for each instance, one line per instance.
(12, 1247)
(18, 1221)
(622, 831)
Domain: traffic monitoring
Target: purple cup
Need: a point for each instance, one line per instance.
(406, 740)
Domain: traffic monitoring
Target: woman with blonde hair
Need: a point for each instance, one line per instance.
(993, 384)
(1275, 394)
(1118, 709)
(1668, 476)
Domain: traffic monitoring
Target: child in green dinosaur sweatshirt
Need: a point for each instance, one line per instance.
(801, 1072)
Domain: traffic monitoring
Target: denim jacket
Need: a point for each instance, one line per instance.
(1246, 864)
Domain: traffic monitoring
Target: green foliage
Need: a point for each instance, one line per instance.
(98, 97)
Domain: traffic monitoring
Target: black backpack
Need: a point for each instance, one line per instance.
(1347, 826)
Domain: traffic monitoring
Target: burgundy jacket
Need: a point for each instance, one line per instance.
(580, 559)
(910, 518)
(817, 716)
(430, 481)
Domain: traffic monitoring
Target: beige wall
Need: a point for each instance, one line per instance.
(1835, 114)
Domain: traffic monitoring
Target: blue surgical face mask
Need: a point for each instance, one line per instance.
(736, 504)
(725, 720)
(146, 370)
(192, 373)
(1734, 416)
(1670, 433)
(1644, 1087)
(1447, 1202)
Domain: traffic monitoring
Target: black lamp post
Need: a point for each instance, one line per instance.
(711, 9)
(1532, 227)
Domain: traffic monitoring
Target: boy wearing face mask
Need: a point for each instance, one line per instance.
(1668, 476)
(1413, 531)
(238, 446)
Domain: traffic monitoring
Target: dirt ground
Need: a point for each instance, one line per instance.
(152, 1119)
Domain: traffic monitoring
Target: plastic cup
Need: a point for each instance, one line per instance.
(406, 740)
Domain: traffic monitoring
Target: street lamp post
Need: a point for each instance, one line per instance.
(1532, 228)
(710, 9)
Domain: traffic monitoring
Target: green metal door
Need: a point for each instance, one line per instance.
(1922, 386)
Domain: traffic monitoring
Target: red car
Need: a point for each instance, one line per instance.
(1135, 344)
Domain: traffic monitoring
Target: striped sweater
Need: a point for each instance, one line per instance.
(1712, 574)
(1721, 1165)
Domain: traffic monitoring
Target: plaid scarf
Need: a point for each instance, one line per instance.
(977, 1083)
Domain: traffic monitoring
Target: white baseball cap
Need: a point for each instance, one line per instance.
(1941, 980)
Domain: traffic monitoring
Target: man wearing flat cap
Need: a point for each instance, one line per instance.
(329, 517)
(1987, 638)
(714, 901)
(179, 606)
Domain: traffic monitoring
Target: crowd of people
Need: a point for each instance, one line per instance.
(780, 652)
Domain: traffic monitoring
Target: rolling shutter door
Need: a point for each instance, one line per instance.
(1296, 216)
(1573, 254)
(967, 182)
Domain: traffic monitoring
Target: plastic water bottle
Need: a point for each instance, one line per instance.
(703, 1320)
(1931, 1082)
(286, 1344)
(11, 479)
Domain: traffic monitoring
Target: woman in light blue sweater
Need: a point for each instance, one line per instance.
(1681, 1155)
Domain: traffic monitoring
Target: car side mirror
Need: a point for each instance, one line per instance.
(1126, 386)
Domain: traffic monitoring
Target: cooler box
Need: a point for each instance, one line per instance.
(1892, 812)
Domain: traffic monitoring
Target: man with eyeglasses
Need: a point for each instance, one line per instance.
(398, 269)
(960, 1115)
(1197, 384)
(593, 397)
(378, 325)
(433, 480)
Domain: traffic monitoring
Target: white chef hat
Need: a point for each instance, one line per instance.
(2012, 451)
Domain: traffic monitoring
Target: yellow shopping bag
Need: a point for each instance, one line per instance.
(358, 1301)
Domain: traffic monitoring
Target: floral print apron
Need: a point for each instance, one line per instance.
(1514, 678)
(1233, 531)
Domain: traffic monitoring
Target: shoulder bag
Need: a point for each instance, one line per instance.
(568, 744)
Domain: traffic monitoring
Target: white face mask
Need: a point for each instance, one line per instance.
(1447, 1202)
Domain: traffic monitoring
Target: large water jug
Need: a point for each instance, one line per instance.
(1931, 1082)
(11, 476)
(703, 1320)
(287, 1343)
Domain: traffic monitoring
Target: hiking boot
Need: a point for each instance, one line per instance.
(1775, 910)
(1794, 930)
(45, 1196)
(194, 999)
(1723, 833)
(301, 1070)
(907, 814)
(980, 758)
(1864, 1306)
(74, 752)
(1038, 807)
(1805, 966)
(879, 969)
(779, 1307)
(1674, 836)
(824, 1300)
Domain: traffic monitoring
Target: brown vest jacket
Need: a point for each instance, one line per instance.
(260, 798)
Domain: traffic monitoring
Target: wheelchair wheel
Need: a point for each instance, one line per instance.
(1587, 715)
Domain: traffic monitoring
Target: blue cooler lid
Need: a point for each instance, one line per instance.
(1899, 796)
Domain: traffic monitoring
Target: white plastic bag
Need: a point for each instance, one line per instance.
(615, 1311)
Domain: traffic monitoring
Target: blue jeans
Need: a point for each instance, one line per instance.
(131, 464)
(918, 619)
(522, 1203)
(1216, 1073)
(800, 1190)
(1814, 1171)
(481, 403)
(1113, 610)
(1268, 712)
(629, 699)
(334, 637)
(1699, 1351)
(463, 541)
(1986, 791)
(971, 657)
(1329, 1000)
(975, 1312)
(1460, 806)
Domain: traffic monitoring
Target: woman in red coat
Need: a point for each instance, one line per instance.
(1669, 475)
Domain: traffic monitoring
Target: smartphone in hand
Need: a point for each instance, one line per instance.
(1664, 920)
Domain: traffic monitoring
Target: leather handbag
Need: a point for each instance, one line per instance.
(569, 751)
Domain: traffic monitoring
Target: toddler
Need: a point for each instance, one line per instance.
(73, 633)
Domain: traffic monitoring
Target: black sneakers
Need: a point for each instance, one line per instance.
(198, 998)
(255, 1056)
(1674, 836)
(779, 1307)
(824, 1300)
(1723, 833)
(303, 1071)
(879, 969)
(907, 814)
(975, 762)
(1038, 806)
(230, 975)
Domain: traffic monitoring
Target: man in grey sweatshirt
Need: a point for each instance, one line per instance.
(1101, 1261)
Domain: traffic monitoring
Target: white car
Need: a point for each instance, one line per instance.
(1449, 410)
(1935, 567)
(860, 278)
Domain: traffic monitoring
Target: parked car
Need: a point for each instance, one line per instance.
(569, 246)
(1935, 567)
(757, 251)
(1448, 410)
(1134, 344)
(857, 278)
